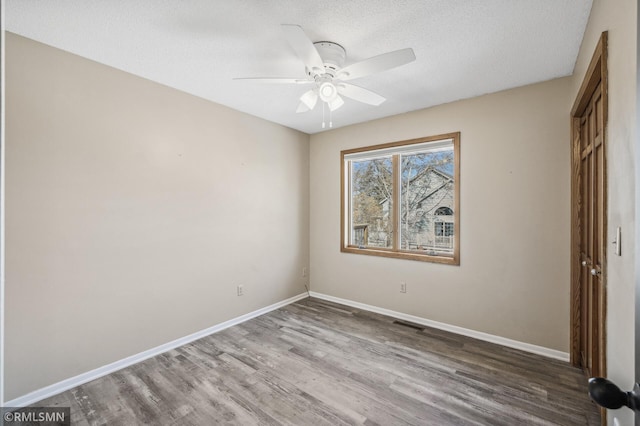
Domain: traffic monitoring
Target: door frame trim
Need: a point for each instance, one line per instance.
(597, 72)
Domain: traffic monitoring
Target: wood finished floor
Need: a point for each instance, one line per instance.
(319, 363)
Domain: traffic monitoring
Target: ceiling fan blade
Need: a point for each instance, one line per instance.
(276, 80)
(303, 47)
(360, 94)
(376, 64)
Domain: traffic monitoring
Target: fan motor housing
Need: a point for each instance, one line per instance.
(332, 54)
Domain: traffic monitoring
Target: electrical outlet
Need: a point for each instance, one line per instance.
(240, 290)
(403, 287)
(304, 272)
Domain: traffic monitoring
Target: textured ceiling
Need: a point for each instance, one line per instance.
(464, 48)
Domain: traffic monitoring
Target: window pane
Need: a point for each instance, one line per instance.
(371, 202)
(427, 201)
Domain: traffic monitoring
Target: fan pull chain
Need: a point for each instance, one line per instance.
(323, 115)
(330, 122)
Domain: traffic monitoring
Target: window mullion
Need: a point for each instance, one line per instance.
(396, 201)
(347, 199)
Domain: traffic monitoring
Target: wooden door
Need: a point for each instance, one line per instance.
(589, 220)
(591, 213)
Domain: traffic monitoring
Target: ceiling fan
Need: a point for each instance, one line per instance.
(324, 67)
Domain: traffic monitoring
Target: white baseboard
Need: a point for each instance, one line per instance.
(56, 388)
(527, 347)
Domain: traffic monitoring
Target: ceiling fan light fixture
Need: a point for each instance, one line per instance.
(301, 108)
(335, 103)
(328, 91)
(310, 99)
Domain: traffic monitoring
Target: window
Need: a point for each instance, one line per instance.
(444, 229)
(401, 199)
(444, 211)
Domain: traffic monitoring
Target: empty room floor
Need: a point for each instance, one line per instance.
(319, 363)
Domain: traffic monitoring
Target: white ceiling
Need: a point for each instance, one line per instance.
(464, 48)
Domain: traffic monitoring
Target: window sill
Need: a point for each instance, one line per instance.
(409, 255)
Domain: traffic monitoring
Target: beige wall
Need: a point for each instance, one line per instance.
(619, 18)
(133, 211)
(513, 280)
